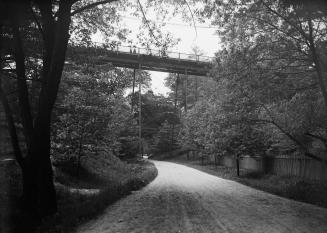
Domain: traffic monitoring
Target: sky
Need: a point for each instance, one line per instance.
(205, 39)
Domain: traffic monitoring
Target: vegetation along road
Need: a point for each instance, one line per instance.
(182, 199)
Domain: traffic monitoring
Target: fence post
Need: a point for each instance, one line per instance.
(202, 158)
(238, 165)
(215, 159)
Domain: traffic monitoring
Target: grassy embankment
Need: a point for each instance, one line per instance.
(101, 180)
(309, 191)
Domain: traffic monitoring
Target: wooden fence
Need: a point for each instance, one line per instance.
(297, 166)
(285, 165)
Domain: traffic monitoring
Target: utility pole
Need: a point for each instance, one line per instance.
(175, 104)
(140, 112)
(133, 90)
(176, 89)
(185, 106)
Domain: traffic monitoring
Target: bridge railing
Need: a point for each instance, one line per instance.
(152, 52)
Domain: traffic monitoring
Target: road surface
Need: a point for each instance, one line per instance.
(182, 199)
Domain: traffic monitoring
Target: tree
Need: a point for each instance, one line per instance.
(156, 110)
(50, 23)
(90, 113)
(271, 60)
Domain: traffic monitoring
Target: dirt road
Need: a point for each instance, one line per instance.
(183, 199)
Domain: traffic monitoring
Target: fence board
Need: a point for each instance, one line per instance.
(299, 166)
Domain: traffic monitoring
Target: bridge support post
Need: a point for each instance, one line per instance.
(185, 106)
(140, 112)
(175, 106)
(132, 103)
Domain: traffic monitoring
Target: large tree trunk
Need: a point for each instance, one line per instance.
(39, 196)
(316, 61)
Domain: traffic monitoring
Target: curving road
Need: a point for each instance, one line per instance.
(182, 199)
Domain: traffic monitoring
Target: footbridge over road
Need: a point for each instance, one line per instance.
(143, 58)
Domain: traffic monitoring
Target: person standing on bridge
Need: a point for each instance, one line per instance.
(164, 50)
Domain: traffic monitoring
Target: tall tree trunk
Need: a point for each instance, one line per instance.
(39, 193)
(238, 165)
(316, 61)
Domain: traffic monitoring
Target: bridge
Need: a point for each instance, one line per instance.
(143, 58)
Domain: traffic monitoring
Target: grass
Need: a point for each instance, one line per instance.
(309, 191)
(102, 180)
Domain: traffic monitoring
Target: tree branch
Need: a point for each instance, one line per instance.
(316, 61)
(278, 29)
(37, 22)
(324, 140)
(90, 6)
(48, 30)
(286, 20)
(23, 96)
(189, 8)
(147, 22)
(297, 142)
(56, 61)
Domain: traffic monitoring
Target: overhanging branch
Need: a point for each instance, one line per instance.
(90, 6)
(189, 8)
(147, 22)
(37, 22)
(297, 142)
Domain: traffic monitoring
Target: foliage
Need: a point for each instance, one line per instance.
(208, 126)
(90, 114)
(269, 95)
(157, 113)
(163, 140)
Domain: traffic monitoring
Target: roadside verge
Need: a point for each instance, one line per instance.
(309, 191)
(101, 180)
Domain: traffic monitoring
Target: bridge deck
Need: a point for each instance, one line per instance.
(147, 61)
